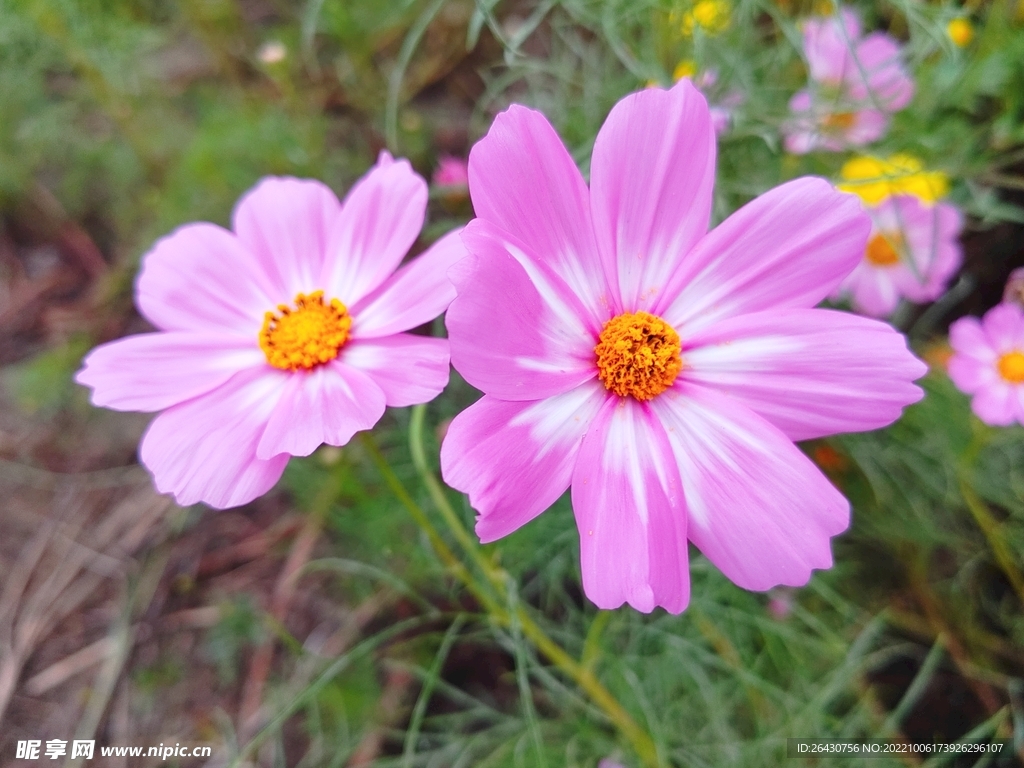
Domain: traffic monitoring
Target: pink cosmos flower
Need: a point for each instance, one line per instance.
(855, 84)
(829, 125)
(988, 363)
(913, 251)
(281, 334)
(660, 370)
(451, 172)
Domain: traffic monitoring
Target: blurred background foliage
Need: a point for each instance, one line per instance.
(122, 119)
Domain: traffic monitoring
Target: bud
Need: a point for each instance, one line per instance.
(1014, 291)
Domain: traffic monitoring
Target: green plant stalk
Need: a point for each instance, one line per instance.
(990, 527)
(582, 675)
(986, 522)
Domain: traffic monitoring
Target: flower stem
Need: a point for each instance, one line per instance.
(496, 578)
(991, 528)
(983, 516)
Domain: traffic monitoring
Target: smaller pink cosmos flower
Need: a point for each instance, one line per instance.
(829, 125)
(912, 253)
(855, 84)
(988, 363)
(281, 334)
(451, 172)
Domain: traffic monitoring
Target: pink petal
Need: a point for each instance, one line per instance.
(652, 174)
(873, 290)
(878, 76)
(968, 338)
(810, 372)
(380, 219)
(201, 278)
(996, 404)
(972, 375)
(790, 247)
(758, 508)
(515, 459)
(630, 512)
(930, 235)
(1004, 327)
(508, 339)
(522, 180)
(800, 133)
(409, 369)
(415, 294)
(153, 371)
(328, 405)
(869, 125)
(286, 223)
(828, 43)
(204, 450)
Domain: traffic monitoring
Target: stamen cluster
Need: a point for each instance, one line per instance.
(882, 250)
(309, 335)
(1011, 367)
(638, 354)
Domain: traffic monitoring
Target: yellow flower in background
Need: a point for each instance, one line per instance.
(713, 16)
(874, 179)
(685, 68)
(960, 31)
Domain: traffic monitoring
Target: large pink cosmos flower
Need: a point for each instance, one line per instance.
(912, 253)
(281, 334)
(855, 84)
(661, 370)
(988, 363)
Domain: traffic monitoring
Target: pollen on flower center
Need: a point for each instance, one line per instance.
(1011, 367)
(882, 250)
(838, 121)
(310, 334)
(638, 355)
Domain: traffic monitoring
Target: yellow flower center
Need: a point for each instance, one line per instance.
(309, 335)
(882, 250)
(960, 31)
(1011, 367)
(838, 121)
(638, 355)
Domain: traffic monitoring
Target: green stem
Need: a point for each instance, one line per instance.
(983, 517)
(582, 675)
(993, 533)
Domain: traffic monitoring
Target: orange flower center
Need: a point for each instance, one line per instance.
(638, 355)
(1011, 367)
(838, 121)
(309, 335)
(882, 250)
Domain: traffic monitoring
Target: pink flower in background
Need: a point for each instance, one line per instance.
(855, 84)
(912, 253)
(451, 172)
(988, 363)
(780, 603)
(660, 370)
(829, 126)
(281, 334)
